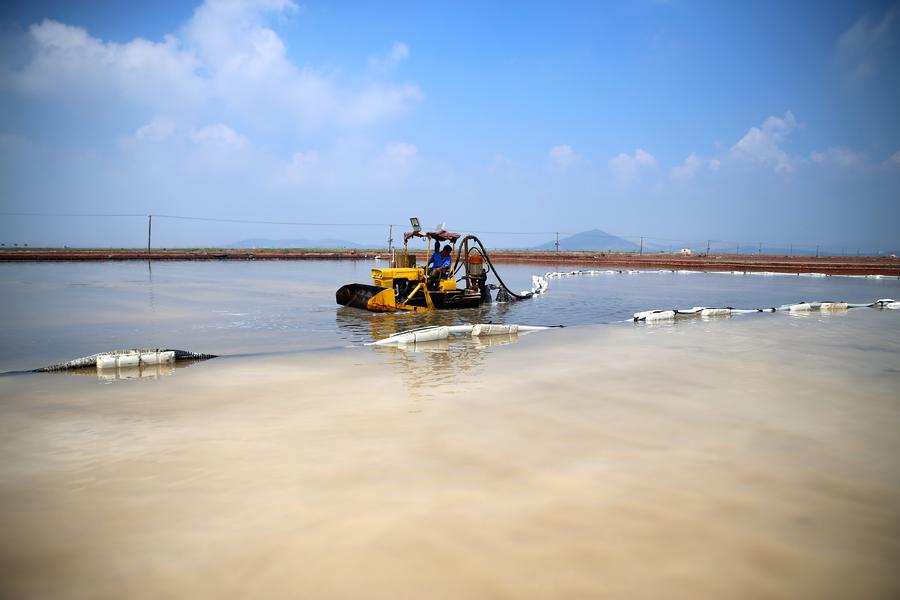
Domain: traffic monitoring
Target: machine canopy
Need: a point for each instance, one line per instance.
(441, 236)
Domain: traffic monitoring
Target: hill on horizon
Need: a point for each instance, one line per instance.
(594, 239)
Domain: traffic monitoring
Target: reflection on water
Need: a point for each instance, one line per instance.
(142, 371)
(136, 372)
(364, 326)
(427, 369)
(488, 341)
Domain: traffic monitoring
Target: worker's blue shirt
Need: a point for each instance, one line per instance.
(437, 261)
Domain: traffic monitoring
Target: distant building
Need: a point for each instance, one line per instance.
(686, 251)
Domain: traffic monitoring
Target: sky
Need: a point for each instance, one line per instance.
(771, 122)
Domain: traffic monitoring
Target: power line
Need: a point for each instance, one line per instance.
(697, 242)
(25, 214)
(187, 218)
(467, 230)
(255, 222)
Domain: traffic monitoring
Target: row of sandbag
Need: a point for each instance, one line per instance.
(540, 283)
(134, 357)
(558, 274)
(726, 311)
(442, 332)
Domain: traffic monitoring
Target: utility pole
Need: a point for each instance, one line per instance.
(557, 242)
(707, 247)
(817, 251)
(642, 245)
(391, 243)
(760, 249)
(149, 230)
(792, 249)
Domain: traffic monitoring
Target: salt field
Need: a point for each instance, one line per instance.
(744, 457)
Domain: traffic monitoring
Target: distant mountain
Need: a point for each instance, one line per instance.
(297, 243)
(594, 239)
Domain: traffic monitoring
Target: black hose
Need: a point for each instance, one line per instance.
(484, 253)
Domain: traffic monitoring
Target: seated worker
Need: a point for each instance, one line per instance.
(440, 264)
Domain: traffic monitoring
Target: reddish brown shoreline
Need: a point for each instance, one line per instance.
(832, 265)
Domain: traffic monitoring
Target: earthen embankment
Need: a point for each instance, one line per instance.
(831, 265)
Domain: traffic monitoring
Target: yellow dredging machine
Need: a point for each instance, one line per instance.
(406, 286)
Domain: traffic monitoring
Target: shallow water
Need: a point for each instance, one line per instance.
(745, 457)
(59, 311)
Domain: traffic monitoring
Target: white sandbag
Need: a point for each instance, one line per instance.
(833, 306)
(655, 315)
(106, 361)
(715, 312)
(157, 358)
(800, 307)
(411, 337)
(491, 329)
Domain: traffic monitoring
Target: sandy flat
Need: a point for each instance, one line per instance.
(743, 458)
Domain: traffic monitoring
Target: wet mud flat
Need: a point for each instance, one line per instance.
(751, 457)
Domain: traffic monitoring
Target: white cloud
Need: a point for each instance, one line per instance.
(644, 158)
(390, 59)
(301, 167)
(563, 156)
(501, 162)
(763, 144)
(838, 155)
(626, 166)
(893, 161)
(400, 153)
(225, 56)
(396, 160)
(230, 33)
(157, 130)
(764, 147)
(67, 59)
(687, 169)
(380, 100)
(218, 134)
(399, 51)
(863, 47)
(504, 165)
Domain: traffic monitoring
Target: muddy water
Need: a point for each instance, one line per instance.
(740, 458)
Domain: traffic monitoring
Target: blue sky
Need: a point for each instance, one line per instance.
(755, 121)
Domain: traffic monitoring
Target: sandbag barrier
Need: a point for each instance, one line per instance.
(576, 273)
(540, 283)
(134, 357)
(442, 332)
(650, 316)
